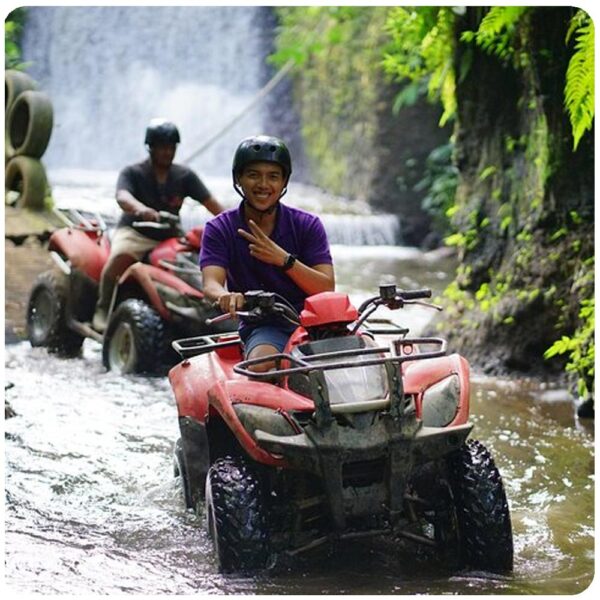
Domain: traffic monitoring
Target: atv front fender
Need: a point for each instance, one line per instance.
(222, 402)
(86, 251)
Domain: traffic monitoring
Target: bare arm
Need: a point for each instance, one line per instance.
(312, 280)
(130, 204)
(213, 205)
(214, 278)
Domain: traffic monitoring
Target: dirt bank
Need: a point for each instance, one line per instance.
(21, 266)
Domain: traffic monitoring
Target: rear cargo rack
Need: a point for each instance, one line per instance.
(203, 344)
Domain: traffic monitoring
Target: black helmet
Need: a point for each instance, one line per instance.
(161, 131)
(262, 148)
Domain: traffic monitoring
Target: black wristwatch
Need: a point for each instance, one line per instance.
(289, 262)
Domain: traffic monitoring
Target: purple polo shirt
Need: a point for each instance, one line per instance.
(296, 231)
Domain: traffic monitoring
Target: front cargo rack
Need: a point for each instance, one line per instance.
(308, 363)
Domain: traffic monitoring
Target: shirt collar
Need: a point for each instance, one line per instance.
(281, 212)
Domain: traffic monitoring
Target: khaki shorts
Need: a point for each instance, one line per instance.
(128, 241)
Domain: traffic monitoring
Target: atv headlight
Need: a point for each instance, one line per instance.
(440, 402)
(356, 386)
(255, 417)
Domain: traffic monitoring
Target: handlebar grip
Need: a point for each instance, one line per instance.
(415, 294)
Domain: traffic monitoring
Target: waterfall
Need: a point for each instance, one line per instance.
(109, 70)
(362, 230)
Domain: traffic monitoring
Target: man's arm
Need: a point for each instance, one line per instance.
(130, 204)
(213, 278)
(198, 191)
(312, 280)
(213, 206)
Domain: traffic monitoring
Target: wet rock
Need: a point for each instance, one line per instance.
(8, 409)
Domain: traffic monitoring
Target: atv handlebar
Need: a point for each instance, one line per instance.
(395, 298)
(261, 304)
(166, 220)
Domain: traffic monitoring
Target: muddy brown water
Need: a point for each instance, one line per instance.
(92, 505)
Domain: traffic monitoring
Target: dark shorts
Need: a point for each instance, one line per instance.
(265, 334)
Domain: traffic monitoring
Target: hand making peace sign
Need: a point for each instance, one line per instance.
(262, 246)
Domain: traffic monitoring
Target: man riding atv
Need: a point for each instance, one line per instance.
(264, 244)
(143, 190)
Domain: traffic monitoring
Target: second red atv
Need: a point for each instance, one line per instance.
(154, 302)
(359, 431)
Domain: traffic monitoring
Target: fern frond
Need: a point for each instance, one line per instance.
(496, 30)
(579, 85)
(500, 18)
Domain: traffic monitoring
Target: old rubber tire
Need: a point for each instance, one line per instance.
(134, 339)
(482, 510)
(15, 82)
(27, 177)
(46, 320)
(29, 124)
(236, 516)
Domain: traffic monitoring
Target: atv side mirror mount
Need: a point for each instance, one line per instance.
(387, 291)
(258, 298)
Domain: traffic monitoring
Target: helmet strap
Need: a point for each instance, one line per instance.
(262, 212)
(267, 211)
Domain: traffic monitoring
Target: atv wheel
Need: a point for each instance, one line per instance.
(134, 339)
(46, 319)
(236, 516)
(481, 509)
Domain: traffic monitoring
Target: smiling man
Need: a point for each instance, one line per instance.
(264, 245)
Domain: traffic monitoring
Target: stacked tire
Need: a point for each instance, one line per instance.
(28, 125)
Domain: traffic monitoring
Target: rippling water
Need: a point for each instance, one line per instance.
(92, 505)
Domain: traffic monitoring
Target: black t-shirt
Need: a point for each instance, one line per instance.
(140, 181)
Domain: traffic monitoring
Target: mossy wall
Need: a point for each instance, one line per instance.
(356, 146)
(525, 201)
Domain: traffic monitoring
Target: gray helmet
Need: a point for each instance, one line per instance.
(263, 148)
(161, 131)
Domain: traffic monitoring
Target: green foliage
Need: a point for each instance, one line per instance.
(13, 26)
(310, 31)
(580, 349)
(497, 36)
(339, 49)
(496, 31)
(421, 51)
(440, 182)
(579, 85)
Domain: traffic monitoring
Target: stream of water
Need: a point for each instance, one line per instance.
(92, 505)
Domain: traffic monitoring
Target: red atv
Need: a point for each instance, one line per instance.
(359, 431)
(154, 302)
